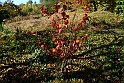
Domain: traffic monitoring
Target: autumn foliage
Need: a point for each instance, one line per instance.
(66, 41)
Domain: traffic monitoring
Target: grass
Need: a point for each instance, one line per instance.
(29, 24)
(24, 61)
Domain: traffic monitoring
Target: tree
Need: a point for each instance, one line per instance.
(30, 2)
(8, 10)
(41, 1)
(111, 4)
(108, 4)
(0, 3)
(35, 3)
(95, 4)
(49, 4)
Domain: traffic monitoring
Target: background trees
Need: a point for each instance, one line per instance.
(8, 10)
(105, 4)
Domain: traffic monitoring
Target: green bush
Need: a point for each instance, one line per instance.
(8, 10)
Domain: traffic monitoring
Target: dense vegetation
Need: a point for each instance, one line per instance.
(76, 47)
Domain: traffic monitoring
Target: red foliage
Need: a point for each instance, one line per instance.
(43, 10)
(66, 46)
(39, 42)
(42, 47)
(63, 14)
(64, 7)
(85, 18)
(65, 22)
(29, 33)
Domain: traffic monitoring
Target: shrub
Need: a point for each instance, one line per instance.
(72, 52)
(93, 58)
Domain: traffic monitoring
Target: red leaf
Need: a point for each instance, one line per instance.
(29, 33)
(34, 33)
(54, 25)
(58, 6)
(80, 24)
(48, 16)
(59, 10)
(64, 7)
(42, 46)
(63, 14)
(62, 55)
(59, 31)
(42, 8)
(85, 18)
(86, 35)
(39, 42)
(53, 50)
(65, 22)
(67, 16)
(53, 19)
(59, 3)
(59, 25)
(77, 41)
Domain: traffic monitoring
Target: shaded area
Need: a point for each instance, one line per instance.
(102, 63)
